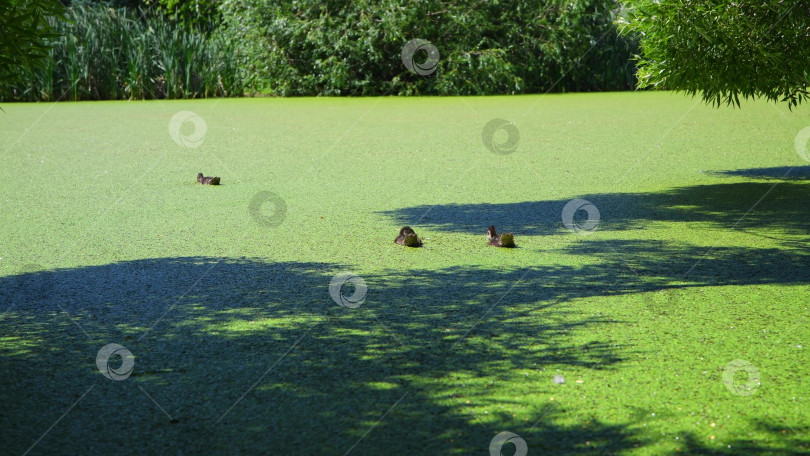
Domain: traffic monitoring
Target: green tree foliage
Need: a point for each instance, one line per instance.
(181, 48)
(334, 47)
(25, 35)
(723, 49)
(200, 14)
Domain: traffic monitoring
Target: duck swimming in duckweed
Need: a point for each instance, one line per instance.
(504, 240)
(207, 180)
(408, 238)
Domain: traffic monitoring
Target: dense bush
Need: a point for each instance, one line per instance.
(200, 14)
(183, 49)
(119, 53)
(333, 47)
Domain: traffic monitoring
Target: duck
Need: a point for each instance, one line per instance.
(207, 180)
(504, 240)
(408, 238)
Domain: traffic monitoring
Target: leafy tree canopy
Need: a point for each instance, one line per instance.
(723, 49)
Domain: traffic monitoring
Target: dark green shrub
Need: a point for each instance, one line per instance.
(310, 47)
(201, 14)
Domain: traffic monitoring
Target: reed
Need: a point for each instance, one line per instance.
(105, 53)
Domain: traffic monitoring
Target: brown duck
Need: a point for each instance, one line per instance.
(408, 237)
(504, 240)
(207, 180)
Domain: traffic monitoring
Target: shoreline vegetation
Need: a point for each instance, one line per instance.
(309, 48)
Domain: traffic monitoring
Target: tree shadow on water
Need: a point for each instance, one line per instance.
(245, 356)
(722, 206)
(797, 173)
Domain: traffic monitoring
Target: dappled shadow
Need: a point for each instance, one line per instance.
(652, 265)
(783, 208)
(242, 355)
(793, 441)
